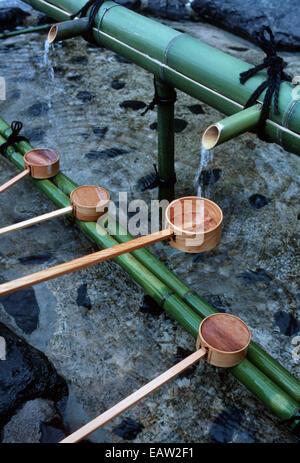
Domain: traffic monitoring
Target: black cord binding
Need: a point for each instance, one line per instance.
(14, 137)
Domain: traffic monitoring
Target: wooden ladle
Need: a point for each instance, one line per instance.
(223, 340)
(193, 225)
(41, 163)
(88, 203)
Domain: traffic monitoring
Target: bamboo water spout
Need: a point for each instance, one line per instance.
(231, 127)
(67, 30)
(204, 72)
(223, 340)
(193, 225)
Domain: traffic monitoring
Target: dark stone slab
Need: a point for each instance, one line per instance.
(26, 374)
(24, 308)
(10, 18)
(171, 9)
(128, 429)
(257, 201)
(243, 17)
(287, 323)
(225, 424)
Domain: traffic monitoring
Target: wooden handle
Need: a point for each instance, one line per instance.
(14, 180)
(134, 398)
(82, 262)
(35, 220)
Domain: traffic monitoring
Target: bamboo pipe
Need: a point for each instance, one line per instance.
(261, 359)
(223, 340)
(259, 383)
(231, 127)
(204, 73)
(67, 30)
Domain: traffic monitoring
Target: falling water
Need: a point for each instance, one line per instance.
(50, 71)
(206, 157)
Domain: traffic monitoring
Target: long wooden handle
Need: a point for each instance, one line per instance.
(134, 398)
(82, 262)
(35, 220)
(14, 180)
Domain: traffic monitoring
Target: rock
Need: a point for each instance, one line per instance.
(84, 96)
(244, 18)
(10, 18)
(259, 275)
(44, 19)
(80, 60)
(35, 135)
(75, 78)
(148, 182)
(35, 258)
(196, 109)
(121, 59)
(34, 417)
(209, 176)
(38, 109)
(26, 374)
(106, 154)
(24, 308)
(171, 9)
(128, 429)
(225, 424)
(52, 432)
(82, 299)
(153, 126)
(287, 323)
(179, 125)
(100, 131)
(117, 84)
(130, 4)
(151, 307)
(258, 201)
(181, 354)
(133, 104)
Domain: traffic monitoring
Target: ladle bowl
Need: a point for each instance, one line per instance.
(89, 202)
(43, 163)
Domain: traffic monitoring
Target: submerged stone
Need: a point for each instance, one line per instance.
(38, 109)
(148, 182)
(255, 276)
(179, 125)
(128, 429)
(106, 154)
(52, 432)
(100, 131)
(181, 354)
(35, 134)
(135, 105)
(121, 59)
(79, 60)
(287, 323)
(26, 374)
(117, 84)
(151, 307)
(85, 96)
(196, 109)
(10, 18)
(24, 308)
(258, 201)
(35, 258)
(225, 424)
(209, 176)
(82, 298)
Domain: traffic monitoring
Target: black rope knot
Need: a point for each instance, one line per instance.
(157, 100)
(276, 75)
(95, 6)
(14, 137)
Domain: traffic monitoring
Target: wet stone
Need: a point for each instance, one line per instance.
(258, 201)
(35, 134)
(135, 105)
(225, 424)
(38, 109)
(121, 59)
(151, 307)
(148, 182)
(106, 154)
(217, 302)
(24, 308)
(10, 18)
(100, 131)
(181, 354)
(85, 97)
(128, 429)
(44, 19)
(79, 60)
(26, 374)
(82, 298)
(210, 176)
(255, 276)
(287, 323)
(196, 109)
(179, 125)
(153, 126)
(35, 258)
(52, 432)
(117, 84)
(75, 78)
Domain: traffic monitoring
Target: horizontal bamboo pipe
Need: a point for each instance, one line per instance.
(132, 399)
(265, 385)
(67, 30)
(14, 180)
(231, 127)
(36, 220)
(82, 262)
(204, 72)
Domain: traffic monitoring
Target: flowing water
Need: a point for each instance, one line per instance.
(92, 324)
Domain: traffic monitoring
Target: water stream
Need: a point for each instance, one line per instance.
(206, 157)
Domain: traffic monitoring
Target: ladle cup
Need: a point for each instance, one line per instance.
(41, 163)
(193, 225)
(223, 340)
(87, 203)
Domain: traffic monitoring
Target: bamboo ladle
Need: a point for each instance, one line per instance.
(88, 203)
(223, 340)
(193, 225)
(41, 163)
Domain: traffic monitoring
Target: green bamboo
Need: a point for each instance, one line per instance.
(256, 381)
(165, 128)
(231, 127)
(185, 63)
(68, 30)
(28, 30)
